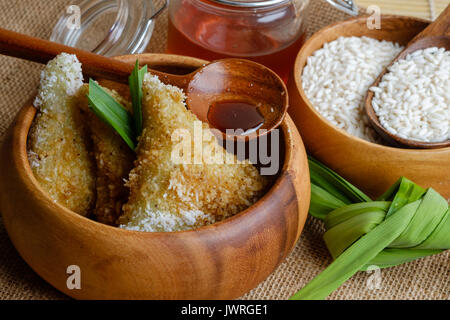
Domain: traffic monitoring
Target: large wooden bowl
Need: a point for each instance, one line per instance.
(370, 166)
(220, 261)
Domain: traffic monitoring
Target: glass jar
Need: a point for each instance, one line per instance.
(268, 32)
(108, 27)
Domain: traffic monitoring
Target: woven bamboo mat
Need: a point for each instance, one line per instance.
(428, 278)
(426, 9)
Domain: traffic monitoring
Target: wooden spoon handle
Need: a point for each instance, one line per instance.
(440, 27)
(38, 50)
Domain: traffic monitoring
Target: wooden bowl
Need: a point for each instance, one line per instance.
(220, 261)
(370, 166)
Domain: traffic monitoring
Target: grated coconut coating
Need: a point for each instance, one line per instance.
(114, 160)
(57, 142)
(165, 196)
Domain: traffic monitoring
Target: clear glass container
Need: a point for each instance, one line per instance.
(270, 32)
(108, 27)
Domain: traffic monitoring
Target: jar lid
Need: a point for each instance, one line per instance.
(107, 27)
(250, 3)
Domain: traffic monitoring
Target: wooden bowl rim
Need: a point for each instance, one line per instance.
(298, 70)
(26, 117)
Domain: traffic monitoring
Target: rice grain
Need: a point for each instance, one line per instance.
(412, 100)
(337, 77)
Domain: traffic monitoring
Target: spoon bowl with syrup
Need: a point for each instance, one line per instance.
(227, 93)
(241, 98)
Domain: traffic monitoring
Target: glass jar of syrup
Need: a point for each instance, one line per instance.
(270, 32)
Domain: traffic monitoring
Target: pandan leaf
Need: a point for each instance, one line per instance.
(135, 81)
(111, 112)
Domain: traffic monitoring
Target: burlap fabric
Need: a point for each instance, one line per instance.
(428, 278)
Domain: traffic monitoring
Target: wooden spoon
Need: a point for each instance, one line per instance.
(437, 34)
(235, 80)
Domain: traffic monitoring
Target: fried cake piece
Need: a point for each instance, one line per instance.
(58, 142)
(114, 160)
(166, 196)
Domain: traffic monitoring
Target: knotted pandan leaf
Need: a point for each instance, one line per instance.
(405, 223)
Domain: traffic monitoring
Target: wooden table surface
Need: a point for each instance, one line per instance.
(427, 9)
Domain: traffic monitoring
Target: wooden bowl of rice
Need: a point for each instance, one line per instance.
(219, 261)
(370, 166)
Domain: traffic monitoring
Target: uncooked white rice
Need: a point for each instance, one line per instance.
(413, 99)
(337, 77)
